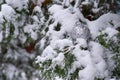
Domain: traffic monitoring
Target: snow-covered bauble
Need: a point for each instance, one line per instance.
(80, 31)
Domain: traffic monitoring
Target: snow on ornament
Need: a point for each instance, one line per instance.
(80, 31)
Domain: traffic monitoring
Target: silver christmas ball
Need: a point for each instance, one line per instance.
(80, 31)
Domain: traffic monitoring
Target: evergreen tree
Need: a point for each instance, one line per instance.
(71, 46)
(19, 32)
(59, 40)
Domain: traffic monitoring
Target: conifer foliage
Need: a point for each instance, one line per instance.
(59, 40)
(19, 32)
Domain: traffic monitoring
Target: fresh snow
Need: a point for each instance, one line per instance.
(7, 11)
(110, 31)
(92, 61)
(76, 36)
(106, 20)
(18, 4)
(66, 17)
(31, 29)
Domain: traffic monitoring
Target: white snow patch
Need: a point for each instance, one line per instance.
(110, 31)
(1, 17)
(88, 73)
(59, 60)
(106, 20)
(81, 42)
(61, 44)
(19, 4)
(65, 17)
(58, 78)
(49, 53)
(7, 11)
(97, 54)
(31, 29)
(1, 36)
